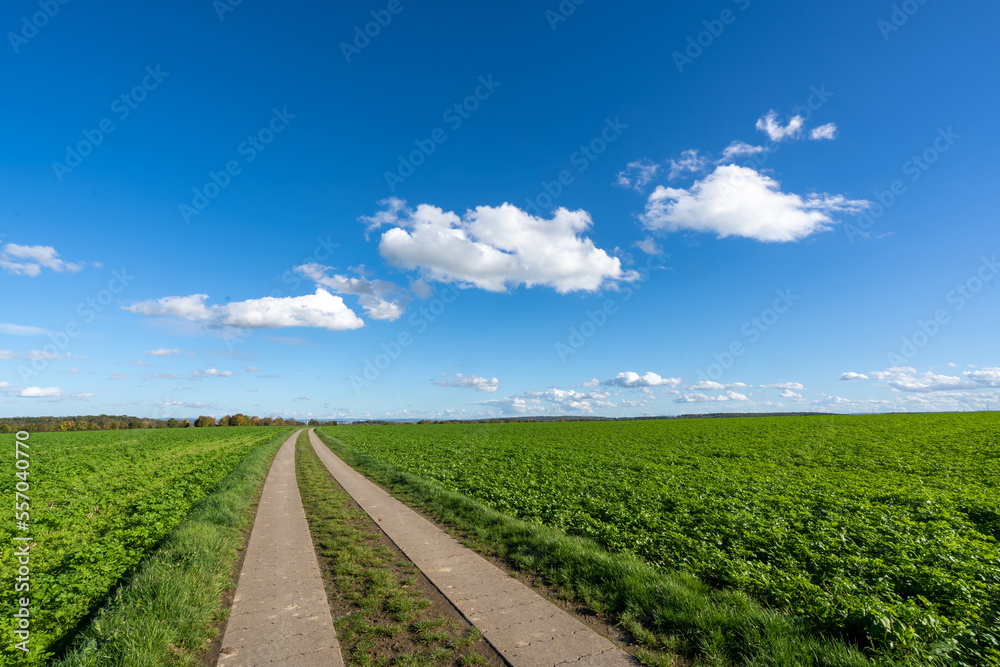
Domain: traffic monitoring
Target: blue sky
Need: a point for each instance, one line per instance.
(400, 209)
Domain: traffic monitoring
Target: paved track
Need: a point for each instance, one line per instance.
(280, 613)
(526, 629)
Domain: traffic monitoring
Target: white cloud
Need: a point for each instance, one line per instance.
(211, 372)
(798, 386)
(552, 401)
(689, 163)
(84, 394)
(788, 393)
(5, 385)
(467, 382)
(777, 132)
(631, 379)
(828, 131)
(714, 386)
(851, 375)
(388, 216)
(21, 330)
(905, 378)
(987, 377)
(637, 174)
(251, 369)
(375, 296)
(28, 260)
(41, 392)
(739, 201)
(500, 247)
(739, 149)
(649, 246)
(162, 352)
(592, 383)
(6, 355)
(705, 398)
(321, 309)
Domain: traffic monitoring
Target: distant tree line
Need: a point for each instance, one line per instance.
(125, 422)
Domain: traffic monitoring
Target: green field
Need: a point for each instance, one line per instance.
(100, 501)
(881, 531)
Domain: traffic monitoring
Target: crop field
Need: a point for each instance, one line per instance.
(99, 502)
(879, 530)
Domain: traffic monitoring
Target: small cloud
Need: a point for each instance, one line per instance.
(828, 131)
(777, 132)
(41, 392)
(689, 163)
(29, 260)
(22, 330)
(738, 149)
(784, 385)
(119, 376)
(851, 375)
(649, 246)
(251, 369)
(592, 383)
(211, 372)
(631, 379)
(162, 352)
(788, 393)
(5, 385)
(716, 386)
(467, 382)
(42, 355)
(637, 174)
(84, 395)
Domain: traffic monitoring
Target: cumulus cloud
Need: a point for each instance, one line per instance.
(467, 382)
(592, 383)
(162, 352)
(987, 377)
(211, 372)
(851, 375)
(551, 401)
(738, 149)
(715, 386)
(906, 378)
(496, 248)
(828, 131)
(29, 260)
(788, 393)
(798, 386)
(776, 131)
(321, 309)
(631, 379)
(637, 174)
(690, 162)
(41, 392)
(379, 298)
(251, 369)
(706, 398)
(739, 201)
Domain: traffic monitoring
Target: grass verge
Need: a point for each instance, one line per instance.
(672, 616)
(384, 612)
(165, 614)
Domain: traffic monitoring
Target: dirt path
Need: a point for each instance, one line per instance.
(280, 614)
(526, 629)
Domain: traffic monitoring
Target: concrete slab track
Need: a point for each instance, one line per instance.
(526, 629)
(280, 614)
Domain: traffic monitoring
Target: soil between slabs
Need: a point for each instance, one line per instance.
(396, 649)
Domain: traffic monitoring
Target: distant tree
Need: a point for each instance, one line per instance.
(279, 421)
(66, 426)
(239, 419)
(186, 424)
(255, 421)
(266, 421)
(205, 421)
(313, 422)
(173, 423)
(330, 423)
(5, 428)
(225, 421)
